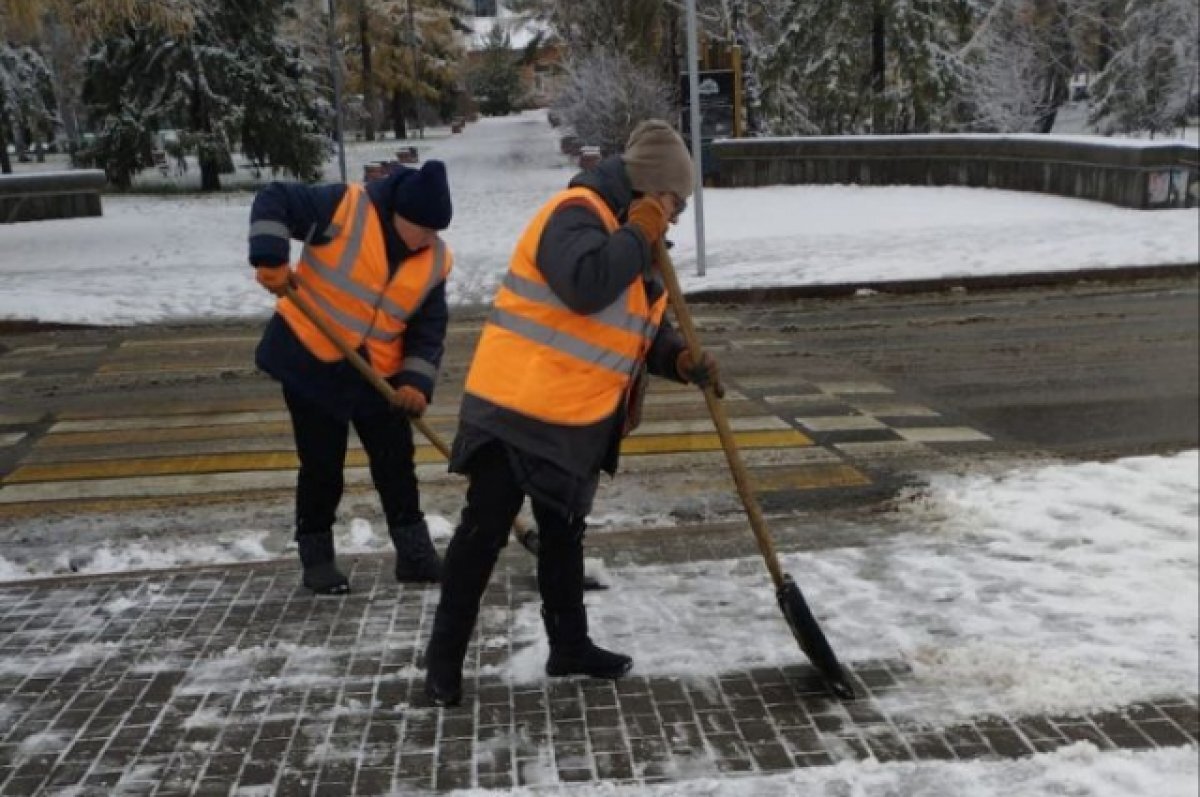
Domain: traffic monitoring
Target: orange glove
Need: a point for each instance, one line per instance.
(274, 278)
(705, 374)
(648, 215)
(410, 400)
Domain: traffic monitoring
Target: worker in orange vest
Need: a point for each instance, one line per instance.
(554, 385)
(374, 268)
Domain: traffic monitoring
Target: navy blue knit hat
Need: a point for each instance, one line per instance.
(423, 196)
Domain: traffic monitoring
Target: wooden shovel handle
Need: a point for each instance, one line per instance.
(741, 477)
(369, 373)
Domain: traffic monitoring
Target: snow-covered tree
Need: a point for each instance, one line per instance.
(26, 97)
(1007, 65)
(1151, 81)
(226, 79)
(605, 95)
(828, 66)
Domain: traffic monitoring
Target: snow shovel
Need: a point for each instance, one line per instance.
(526, 536)
(791, 601)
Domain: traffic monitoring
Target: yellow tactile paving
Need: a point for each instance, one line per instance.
(810, 477)
(161, 466)
(280, 460)
(665, 444)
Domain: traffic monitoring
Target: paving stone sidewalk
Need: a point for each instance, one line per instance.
(231, 680)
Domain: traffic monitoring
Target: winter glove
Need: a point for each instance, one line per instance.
(648, 215)
(410, 400)
(705, 374)
(275, 279)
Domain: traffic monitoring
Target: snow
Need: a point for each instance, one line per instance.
(172, 257)
(1056, 588)
(1079, 769)
(1038, 587)
(1051, 589)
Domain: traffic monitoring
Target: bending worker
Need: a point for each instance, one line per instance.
(555, 383)
(375, 269)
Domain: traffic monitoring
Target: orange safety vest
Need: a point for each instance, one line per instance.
(543, 360)
(346, 281)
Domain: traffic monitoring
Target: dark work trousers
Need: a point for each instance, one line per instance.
(494, 497)
(321, 441)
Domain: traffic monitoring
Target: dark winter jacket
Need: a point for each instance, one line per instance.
(588, 269)
(307, 211)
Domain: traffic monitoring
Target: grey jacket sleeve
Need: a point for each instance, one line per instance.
(585, 266)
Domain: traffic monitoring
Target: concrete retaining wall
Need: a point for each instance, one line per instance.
(1134, 175)
(50, 195)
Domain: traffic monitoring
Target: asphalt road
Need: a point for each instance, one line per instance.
(837, 401)
(1090, 371)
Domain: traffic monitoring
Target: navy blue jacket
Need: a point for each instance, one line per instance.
(307, 211)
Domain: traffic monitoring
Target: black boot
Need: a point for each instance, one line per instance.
(416, 559)
(469, 563)
(572, 651)
(321, 574)
(444, 658)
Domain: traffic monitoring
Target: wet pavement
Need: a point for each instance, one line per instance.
(144, 686)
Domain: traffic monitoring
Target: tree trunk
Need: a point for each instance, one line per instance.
(210, 175)
(1057, 85)
(5, 163)
(20, 143)
(398, 126)
(878, 66)
(669, 62)
(1107, 45)
(364, 32)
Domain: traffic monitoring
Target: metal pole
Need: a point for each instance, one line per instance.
(412, 52)
(337, 89)
(694, 102)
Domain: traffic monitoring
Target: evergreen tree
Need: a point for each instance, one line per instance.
(829, 66)
(226, 79)
(495, 80)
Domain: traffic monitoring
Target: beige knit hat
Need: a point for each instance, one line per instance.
(657, 160)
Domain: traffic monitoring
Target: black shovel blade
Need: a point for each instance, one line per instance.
(812, 640)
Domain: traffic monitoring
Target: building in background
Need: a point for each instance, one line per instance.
(531, 42)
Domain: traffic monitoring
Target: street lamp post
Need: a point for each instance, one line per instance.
(416, 68)
(697, 146)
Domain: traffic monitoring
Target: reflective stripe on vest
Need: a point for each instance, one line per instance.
(346, 280)
(538, 357)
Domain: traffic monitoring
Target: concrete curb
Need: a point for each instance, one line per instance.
(1033, 279)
